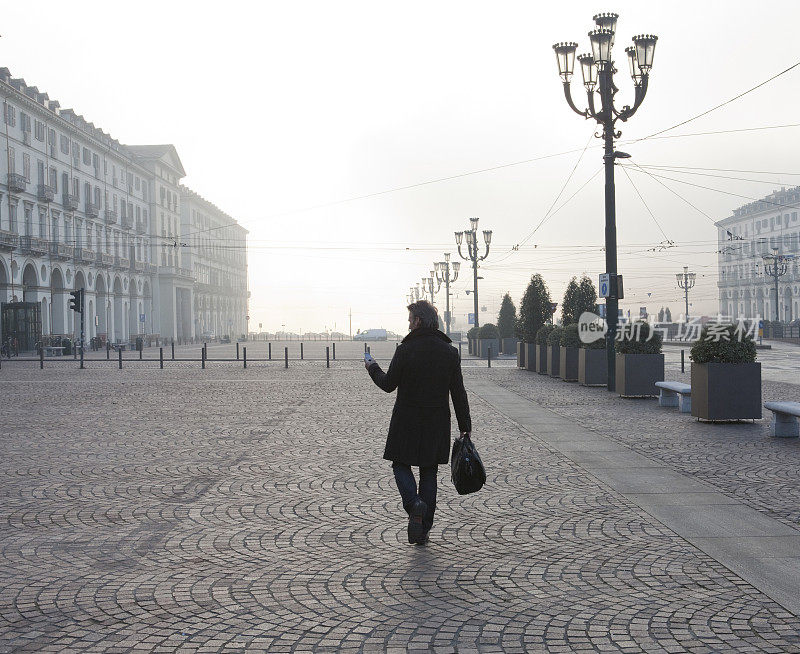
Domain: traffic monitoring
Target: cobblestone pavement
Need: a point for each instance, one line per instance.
(231, 509)
(740, 459)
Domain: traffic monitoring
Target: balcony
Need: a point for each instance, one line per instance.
(138, 266)
(141, 227)
(62, 251)
(111, 217)
(122, 262)
(8, 240)
(33, 245)
(150, 268)
(92, 210)
(103, 259)
(17, 182)
(84, 255)
(70, 202)
(127, 221)
(45, 193)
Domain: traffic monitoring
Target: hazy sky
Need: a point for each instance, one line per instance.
(277, 108)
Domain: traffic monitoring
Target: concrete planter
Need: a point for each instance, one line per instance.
(521, 354)
(726, 391)
(554, 360)
(592, 367)
(569, 363)
(485, 343)
(530, 356)
(637, 374)
(508, 345)
(541, 359)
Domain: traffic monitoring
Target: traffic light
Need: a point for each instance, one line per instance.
(76, 301)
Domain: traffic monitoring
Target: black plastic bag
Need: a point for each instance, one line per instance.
(466, 467)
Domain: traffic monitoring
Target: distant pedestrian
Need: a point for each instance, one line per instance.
(426, 370)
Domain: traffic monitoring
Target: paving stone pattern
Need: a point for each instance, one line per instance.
(740, 459)
(230, 509)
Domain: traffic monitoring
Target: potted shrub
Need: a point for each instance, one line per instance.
(541, 348)
(472, 334)
(488, 337)
(522, 346)
(570, 345)
(554, 352)
(639, 361)
(506, 325)
(593, 363)
(535, 309)
(726, 378)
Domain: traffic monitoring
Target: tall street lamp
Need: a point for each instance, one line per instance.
(776, 266)
(598, 71)
(686, 281)
(471, 236)
(442, 271)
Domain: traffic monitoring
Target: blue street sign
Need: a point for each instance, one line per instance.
(141, 317)
(471, 319)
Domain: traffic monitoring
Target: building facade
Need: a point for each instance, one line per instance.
(217, 259)
(754, 231)
(78, 210)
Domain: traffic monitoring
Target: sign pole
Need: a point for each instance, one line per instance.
(83, 321)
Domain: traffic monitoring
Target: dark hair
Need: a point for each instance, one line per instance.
(426, 312)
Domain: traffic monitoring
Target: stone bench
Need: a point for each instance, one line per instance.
(785, 418)
(675, 394)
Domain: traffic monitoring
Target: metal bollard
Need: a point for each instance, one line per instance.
(173, 349)
(269, 347)
(74, 352)
(140, 353)
(108, 351)
(365, 347)
(301, 351)
(683, 366)
(161, 358)
(327, 357)
(203, 358)
(82, 356)
(286, 356)
(244, 354)
(120, 358)
(41, 357)
(334, 351)
(237, 350)
(489, 357)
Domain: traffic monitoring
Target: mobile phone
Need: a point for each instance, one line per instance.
(368, 357)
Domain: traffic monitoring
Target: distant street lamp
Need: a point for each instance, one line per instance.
(598, 71)
(442, 272)
(471, 236)
(776, 266)
(686, 281)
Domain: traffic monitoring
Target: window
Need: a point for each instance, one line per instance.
(64, 183)
(26, 166)
(12, 161)
(138, 183)
(42, 223)
(12, 217)
(87, 157)
(40, 175)
(54, 179)
(9, 114)
(39, 130)
(76, 188)
(24, 122)
(76, 154)
(794, 216)
(64, 143)
(95, 163)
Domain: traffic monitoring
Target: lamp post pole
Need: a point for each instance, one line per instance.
(776, 266)
(686, 281)
(471, 236)
(598, 77)
(442, 272)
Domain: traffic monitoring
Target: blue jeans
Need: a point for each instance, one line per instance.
(407, 486)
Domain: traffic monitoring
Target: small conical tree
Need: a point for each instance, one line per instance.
(569, 302)
(580, 296)
(667, 315)
(661, 314)
(535, 309)
(507, 317)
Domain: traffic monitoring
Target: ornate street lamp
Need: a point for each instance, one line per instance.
(686, 281)
(442, 271)
(471, 236)
(597, 71)
(776, 266)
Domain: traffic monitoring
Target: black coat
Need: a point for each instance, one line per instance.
(425, 369)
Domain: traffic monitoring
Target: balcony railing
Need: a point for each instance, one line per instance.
(122, 262)
(150, 268)
(84, 255)
(33, 245)
(111, 217)
(138, 266)
(70, 202)
(127, 221)
(141, 227)
(92, 210)
(17, 182)
(104, 259)
(45, 193)
(8, 240)
(62, 251)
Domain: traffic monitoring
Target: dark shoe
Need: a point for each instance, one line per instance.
(415, 516)
(423, 540)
